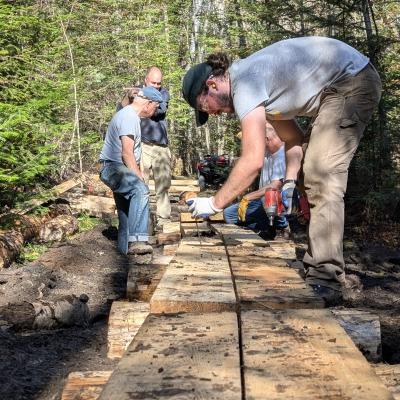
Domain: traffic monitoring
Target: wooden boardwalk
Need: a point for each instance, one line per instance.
(228, 318)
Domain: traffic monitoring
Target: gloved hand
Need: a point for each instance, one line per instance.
(244, 203)
(202, 207)
(290, 198)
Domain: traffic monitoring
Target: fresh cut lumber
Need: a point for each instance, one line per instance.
(185, 356)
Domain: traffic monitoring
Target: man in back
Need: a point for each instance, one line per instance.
(250, 211)
(120, 171)
(156, 156)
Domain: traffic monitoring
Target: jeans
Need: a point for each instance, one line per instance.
(346, 107)
(131, 197)
(255, 217)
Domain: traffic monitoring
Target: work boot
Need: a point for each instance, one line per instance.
(139, 248)
(282, 233)
(331, 296)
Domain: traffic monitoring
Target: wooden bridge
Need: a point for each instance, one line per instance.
(224, 314)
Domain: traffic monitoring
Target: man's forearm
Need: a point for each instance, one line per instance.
(251, 161)
(275, 184)
(294, 155)
(239, 180)
(130, 162)
(290, 132)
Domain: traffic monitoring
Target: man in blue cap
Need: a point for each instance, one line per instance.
(120, 171)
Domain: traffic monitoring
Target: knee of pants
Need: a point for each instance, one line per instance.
(331, 189)
(230, 214)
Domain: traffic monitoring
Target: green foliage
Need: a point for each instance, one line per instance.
(64, 65)
(86, 222)
(31, 252)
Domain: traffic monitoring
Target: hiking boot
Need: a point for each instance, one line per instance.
(331, 296)
(282, 233)
(139, 248)
(352, 288)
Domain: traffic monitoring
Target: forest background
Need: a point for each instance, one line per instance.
(64, 65)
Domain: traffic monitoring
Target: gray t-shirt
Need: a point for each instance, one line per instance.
(125, 122)
(289, 76)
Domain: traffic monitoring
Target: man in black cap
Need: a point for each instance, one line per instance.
(317, 77)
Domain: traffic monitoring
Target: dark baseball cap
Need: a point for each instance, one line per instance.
(191, 86)
(150, 93)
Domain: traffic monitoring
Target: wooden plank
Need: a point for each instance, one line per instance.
(178, 189)
(265, 283)
(168, 238)
(364, 329)
(124, 322)
(234, 235)
(142, 281)
(248, 249)
(198, 279)
(54, 191)
(190, 229)
(390, 376)
(187, 217)
(65, 186)
(186, 356)
(245, 242)
(171, 233)
(97, 206)
(170, 249)
(180, 182)
(303, 355)
(171, 227)
(85, 385)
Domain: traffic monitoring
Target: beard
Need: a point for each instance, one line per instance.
(225, 101)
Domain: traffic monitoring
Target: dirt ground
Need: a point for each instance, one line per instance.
(34, 364)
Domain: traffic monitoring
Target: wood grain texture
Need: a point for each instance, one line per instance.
(185, 356)
(234, 235)
(390, 376)
(170, 249)
(303, 355)
(264, 283)
(187, 217)
(85, 385)
(198, 279)
(124, 322)
(189, 229)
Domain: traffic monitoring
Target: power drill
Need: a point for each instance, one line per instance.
(273, 205)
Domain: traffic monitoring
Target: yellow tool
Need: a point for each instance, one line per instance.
(244, 203)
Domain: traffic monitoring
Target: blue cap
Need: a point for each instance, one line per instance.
(150, 93)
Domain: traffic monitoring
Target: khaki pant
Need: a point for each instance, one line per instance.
(158, 160)
(346, 107)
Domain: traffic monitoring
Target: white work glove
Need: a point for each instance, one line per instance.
(290, 197)
(202, 207)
